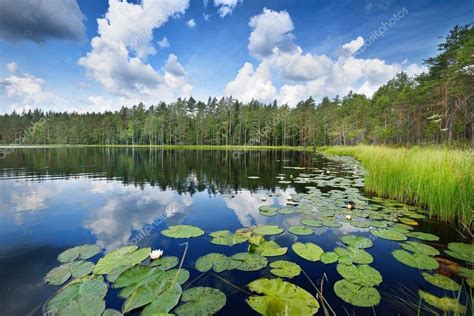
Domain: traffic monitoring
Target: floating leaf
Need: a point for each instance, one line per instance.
(281, 298)
(268, 249)
(441, 281)
(363, 274)
(351, 255)
(216, 261)
(357, 295)
(285, 269)
(80, 252)
(61, 274)
(331, 224)
(268, 211)
(419, 247)
(423, 236)
(461, 251)
(389, 234)
(79, 298)
(445, 303)
(308, 251)
(408, 221)
(250, 261)
(123, 257)
(226, 238)
(164, 302)
(201, 301)
(287, 210)
(268, 230)
(183, 231)
(165, 263)
(111, 312)
(312, 222)
(416, 260)
(300, 230)
(357, 241)
(329, 257)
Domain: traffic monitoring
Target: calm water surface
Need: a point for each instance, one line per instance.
(54, 199)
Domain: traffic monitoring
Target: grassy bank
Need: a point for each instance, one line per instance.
(442, 180)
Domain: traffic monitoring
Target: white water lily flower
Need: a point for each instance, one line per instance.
(289, 198)
(156, 254)
(349, 205)
(348, 217)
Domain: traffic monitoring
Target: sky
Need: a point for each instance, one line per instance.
(98, 55)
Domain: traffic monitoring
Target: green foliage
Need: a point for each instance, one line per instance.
(268, 230)
(357, 295)
(441, 281)
(182, 231)
(363, 274)
(416, 260)
(201, 301)
(300, 230)
(445, 303)
(79, 252)
(285, 269)
(122, 258)
(461, 251)
(308, 251)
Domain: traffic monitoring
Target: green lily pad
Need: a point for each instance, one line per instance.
(281, 298)
(268, 211)
(308, 251)
(164, 302)
(420, 248)
(441, 281)
(285, 269)
(165, 263)
(389, 234)
(331, 224)
(268, 249)
(312, 222)
(183, 231)
(357, 295)
(461, 251)
(201, 301)
(250, 261)
(287, 210)
(351, 255)
(216, 261)
(363, 274)
(445, 303)
(226, 238)
(61, 274)
(123, 257)
(80, 252)
(357, 241)
(111, 312)
(300, 230)
(329, 257)
(416, 260)
(408, 221)
(79, 298)
(268, 230)
(423, 236)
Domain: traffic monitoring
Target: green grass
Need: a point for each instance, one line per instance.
(438, 179)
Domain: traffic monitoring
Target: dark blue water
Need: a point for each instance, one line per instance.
(54, 199)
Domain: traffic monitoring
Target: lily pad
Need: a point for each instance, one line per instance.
(268, 249)
(445, 303)
(357, 241)
(441, 281)
(461, 251)
(419, 247)
(312, 222)
(287, 210)
(389, 234)
(80, 252)
(281, 298)
(201, 301)
(268, 211)
(123, 257)
(329, 257)
(285, 269)
(363, 274)
(164, 302)
(357, 295)
(408, 221)
(79, 298)
(351, 255)
(165, 263)
(268, 230)
(226, 238)
(183, 231)
(308, 251)
(423, 236)
(61, 274)
(250, 261)
(300, 230)
(216, 261)
(416, 260)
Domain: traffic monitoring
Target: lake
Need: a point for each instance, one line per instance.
(53, 199)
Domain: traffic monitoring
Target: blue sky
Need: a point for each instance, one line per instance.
(266, 50)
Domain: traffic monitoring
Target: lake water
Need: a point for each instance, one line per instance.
(54, 199)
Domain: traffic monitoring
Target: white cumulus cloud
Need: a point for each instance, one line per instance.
(191, 23)
(226, 7)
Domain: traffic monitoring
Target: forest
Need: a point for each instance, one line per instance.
(434, 107)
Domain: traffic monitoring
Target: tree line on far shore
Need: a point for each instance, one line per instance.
(434, 107)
